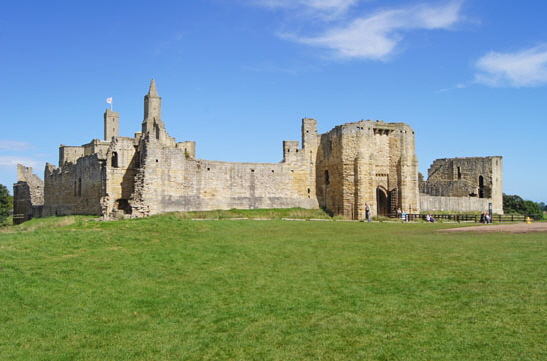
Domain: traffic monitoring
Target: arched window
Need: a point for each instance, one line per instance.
(481, 186)
(327, 179)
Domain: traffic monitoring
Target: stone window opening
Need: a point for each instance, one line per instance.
(157, 130)
(327, 178)
(114, 160)
(79, 187)
(459, 173)
(481, 186)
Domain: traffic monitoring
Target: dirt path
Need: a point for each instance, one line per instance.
(520, 227)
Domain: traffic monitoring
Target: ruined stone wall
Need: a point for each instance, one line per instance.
(121, 167)
(28, 195)
(171, 181)
(70, 154)
(96, 146)
(354, 164)
(74, 188)
(474, 177)
(188, 147)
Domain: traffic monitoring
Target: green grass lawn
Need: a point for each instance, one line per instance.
(168, 288)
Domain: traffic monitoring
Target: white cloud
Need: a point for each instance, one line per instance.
(526, 68)
(319, 5)
(376, 36)
(14, 145)
(12, 161)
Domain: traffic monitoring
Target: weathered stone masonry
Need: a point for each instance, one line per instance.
(354, 164)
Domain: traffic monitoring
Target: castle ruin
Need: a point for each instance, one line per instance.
(354, 164)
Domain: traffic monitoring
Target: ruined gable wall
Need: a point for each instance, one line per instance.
(74, 188)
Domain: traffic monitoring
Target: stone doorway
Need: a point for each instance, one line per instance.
(382, 202)
(123, 205)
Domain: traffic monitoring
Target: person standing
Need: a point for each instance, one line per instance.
(367, 212)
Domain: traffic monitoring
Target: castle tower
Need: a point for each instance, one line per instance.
(152, 109)
(111, 124)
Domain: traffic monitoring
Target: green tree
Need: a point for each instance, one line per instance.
(514, 204)
(6, 204)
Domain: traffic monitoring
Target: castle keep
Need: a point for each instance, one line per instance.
(354, 164)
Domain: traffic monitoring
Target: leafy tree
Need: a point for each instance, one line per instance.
(514, 204)
(6, 204)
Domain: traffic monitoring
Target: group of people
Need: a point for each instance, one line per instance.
(485, 218)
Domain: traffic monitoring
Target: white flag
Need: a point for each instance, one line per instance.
(109, 100)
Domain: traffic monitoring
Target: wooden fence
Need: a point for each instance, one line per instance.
(471, 217)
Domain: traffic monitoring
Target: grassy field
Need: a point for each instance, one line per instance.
(169, 288)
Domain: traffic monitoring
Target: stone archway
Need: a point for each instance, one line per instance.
(382, 202)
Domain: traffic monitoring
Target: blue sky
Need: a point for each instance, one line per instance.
(237, 76)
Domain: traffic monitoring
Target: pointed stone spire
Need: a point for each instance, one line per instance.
(152, 92)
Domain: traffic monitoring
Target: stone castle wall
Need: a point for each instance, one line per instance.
(473, 177)
(28, 195)
(370, 163)
(353, 165)
(456, 204)
(74, 188)
(171, 180)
